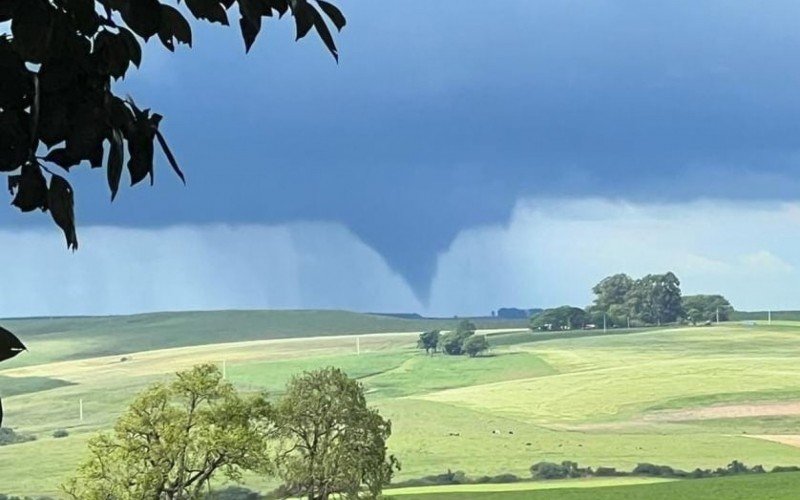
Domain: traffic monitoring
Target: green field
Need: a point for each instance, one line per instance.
(690, 397)
(761, 487)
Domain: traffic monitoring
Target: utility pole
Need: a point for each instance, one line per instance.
(604, 322)
(718, 315)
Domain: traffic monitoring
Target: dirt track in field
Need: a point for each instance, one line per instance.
(727, 411)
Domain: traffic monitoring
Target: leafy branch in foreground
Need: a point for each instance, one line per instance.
(58, 60)
(174, 439)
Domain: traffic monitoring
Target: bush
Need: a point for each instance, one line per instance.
(646, 469)
(607, 472)
(782, 468)
(503, 478)
(548, 470)
(60, 433)
(8, 436)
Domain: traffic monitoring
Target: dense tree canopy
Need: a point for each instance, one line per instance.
(475, 345)
(174, 438)
(701, 308)
(332, 443)
(559, 318)
(58, 62)
(429, 340)
(453, 341)
(651, 300)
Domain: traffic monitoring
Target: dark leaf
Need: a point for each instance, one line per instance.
(61, 203)
(10, 345)
(210, 10)
(113, 53)
(14, 139)
(83, 15)
(250, 31)
(140, 148)
(174, 25)
(15, 80)
(132, 44)
(143, 17)
(31, 188)
(63, 158)
(7, 9)
(333, 13)
(324, 32)
(116, 157)
(32, 28)
(303, 18)
(281, 6)
(170, 156)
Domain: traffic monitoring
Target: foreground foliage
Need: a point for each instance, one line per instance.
(57, 106)
(174, 438)
(332, 443)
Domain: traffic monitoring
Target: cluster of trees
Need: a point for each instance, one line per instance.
(320, 438)
(654, 299)
(460, 341)
(621, 301)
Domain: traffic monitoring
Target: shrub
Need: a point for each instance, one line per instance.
(548, 470)
(783, 468)
(606, 472)
(503, 478)
(60, 433)
(646, 469)
(8, 436)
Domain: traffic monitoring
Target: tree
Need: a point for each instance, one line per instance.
(453, 342)
(331, 442)
(559, 318)
(174, 438)
(475, 345)
(612, 290)
(429, 340)
(699, 308)
(10, 346)
(58, 63)
(466, 328)
(656, 299)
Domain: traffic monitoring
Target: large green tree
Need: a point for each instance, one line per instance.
(429, 340)
(59, 60)
(560, 318)
(475, 345)
(656, 299)
(331, 441)
(612, 290)
(174, 439)
(700, 308)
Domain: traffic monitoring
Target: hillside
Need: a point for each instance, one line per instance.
(55, 339)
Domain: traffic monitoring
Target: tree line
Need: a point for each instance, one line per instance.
(623, 302)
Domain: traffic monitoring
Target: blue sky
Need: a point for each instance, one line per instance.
(449, 117)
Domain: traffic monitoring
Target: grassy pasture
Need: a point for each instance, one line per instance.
(761, 487)
(598, 400)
